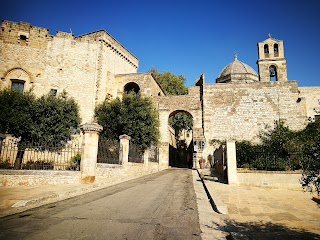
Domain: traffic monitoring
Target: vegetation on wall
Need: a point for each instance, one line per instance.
(170, 83)
(284, 149)
(47, 121)
(135, 116)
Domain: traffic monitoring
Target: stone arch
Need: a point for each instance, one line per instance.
(181, 144)
(131, 86)
(18, 77)
(169, 104)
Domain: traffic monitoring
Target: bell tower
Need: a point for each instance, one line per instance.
(272, 65)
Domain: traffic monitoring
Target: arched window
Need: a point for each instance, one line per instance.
(131, 87)
(266, 48)
(273, 73)
(276, 50)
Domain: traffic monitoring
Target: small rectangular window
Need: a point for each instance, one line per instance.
(17, 86)
(53, 92)
(23, 37)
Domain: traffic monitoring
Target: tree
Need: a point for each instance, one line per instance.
(310, 143)
(181, 121)
(48, 120)
(16, 114)
(135, 116)
(170, 83)
(55, 119)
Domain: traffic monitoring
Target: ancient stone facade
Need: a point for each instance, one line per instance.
(94, 66)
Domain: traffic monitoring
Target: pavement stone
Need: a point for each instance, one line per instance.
(265, 213)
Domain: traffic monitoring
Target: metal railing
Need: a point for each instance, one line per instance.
(108, 151)
(32, 156)
(135, 154)
(153, 154)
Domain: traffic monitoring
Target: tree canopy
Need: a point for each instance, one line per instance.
(291, 149)
(48, 120)
(135, 116)
(170, 83)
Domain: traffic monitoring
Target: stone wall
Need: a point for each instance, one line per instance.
(12, 178)
(83, 66)
(119, 173)
(284, 180)
(311, 96)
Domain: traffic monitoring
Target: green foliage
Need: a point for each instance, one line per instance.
(170, 83)
(277, 151)
(135, 116)
(283, 149)
(181, 121)
(75, 162)
(48, 120)
(16, 113)
(56, 118)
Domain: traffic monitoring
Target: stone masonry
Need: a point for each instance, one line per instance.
(95, 66)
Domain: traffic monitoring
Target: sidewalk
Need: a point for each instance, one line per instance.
(264, 213)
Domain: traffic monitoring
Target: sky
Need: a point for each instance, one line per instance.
(189, 37)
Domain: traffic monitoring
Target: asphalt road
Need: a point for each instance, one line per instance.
(157, 206)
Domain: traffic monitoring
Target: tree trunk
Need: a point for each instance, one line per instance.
(20, 153)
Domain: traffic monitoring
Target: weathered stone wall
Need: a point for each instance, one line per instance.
(311, 96)
(240, 111)
(282, 180)
(148, 86)
(82, 66)
(113, 172)
(12, 178)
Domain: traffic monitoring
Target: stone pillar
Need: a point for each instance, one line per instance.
(146, 158)
(89, 151)
(124, 149)
(163, 155)
(232, 162)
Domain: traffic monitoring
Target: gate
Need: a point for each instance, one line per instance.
(135, 154)
(108, 151)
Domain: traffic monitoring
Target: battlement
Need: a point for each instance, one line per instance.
(24, 33)
(112, 43)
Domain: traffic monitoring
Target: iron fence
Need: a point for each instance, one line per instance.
(32, 156)
(108, 151)
(153, 154)
(135, 154)
(269, 161)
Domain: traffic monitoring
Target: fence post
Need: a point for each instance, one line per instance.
(124, 149)
(232, 162)
(89, 151)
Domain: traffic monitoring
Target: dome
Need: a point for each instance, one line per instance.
(237, 71)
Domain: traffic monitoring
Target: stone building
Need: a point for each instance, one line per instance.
(94, 66)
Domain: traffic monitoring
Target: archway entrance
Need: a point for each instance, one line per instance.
(131, 86)
(181, 139)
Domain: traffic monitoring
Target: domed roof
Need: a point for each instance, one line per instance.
(237, 67)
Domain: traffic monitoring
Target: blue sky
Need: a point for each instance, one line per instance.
(189, 37)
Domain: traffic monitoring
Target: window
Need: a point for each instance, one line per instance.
(276, 50)
(17, 85)
(273, 73)
(23, 37)
(266, 48)
(53, 92)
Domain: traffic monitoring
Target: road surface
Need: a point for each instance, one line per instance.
(157, 206)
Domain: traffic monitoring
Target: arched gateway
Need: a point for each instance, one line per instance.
(192, 104)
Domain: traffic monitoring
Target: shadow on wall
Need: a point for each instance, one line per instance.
(266, 231)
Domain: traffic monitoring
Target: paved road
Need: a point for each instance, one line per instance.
(158, 206)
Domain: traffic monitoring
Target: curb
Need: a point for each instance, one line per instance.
(215, 201)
